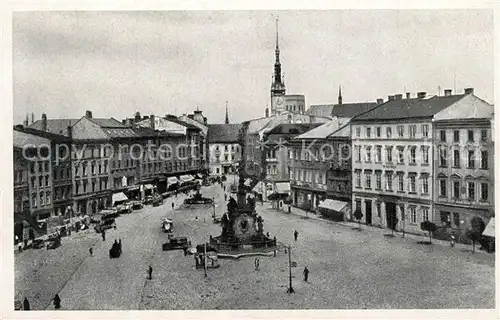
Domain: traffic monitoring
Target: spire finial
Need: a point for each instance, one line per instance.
(277, 38)
(227, 115)
(340, 95)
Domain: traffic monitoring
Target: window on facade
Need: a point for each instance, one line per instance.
(413, 131)
(413, 183)
(401, 157)
(389, 154)
(47, 198)
(456, 135)
(425, 184)
(413, 154)
(358, 132)
(368, 132)
(425, 214)
(401, 131)
(402, 211)
(378, 180)
(33, 183)
(40, 181)
(443, 156)
(358, 153)
(42, 198)
(358, 179)
(32, 167)
(378, 154)
(470, 135)
(368, 154)
(456, 189)
(456, 158)
(33, 200)
(378, 131)
(456, 219)
(413, 215)
(225, 157)
(445, 218)
(484, 159)
(368, 180)
(470, 159)
(379, 210)
(389, 180)
(84, 169)
(400, 182)
(84, 186)
(442, 188)
(484, 135)
(388, 132)
(471, 190)
(484, 191)
(442, 135)
(425, 130)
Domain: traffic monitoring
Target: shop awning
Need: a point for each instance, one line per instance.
(258, 187)
(186, 178)
(489, 231)
(283, 187)
(333, 205)
(120, 196)
(148, 187)
(172, 180)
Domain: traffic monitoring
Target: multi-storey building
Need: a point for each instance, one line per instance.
(393, 157)
(312, 155)
(33, 199)
(276, 157)
(224, 149)
(464, 173)
(62, 183)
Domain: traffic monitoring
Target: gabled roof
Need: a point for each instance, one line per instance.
(292, 128)
(345, 110)
(22, 139)
(174, 119)
(324, 110)
(223, 133)
(57, 126)
(44, 134)
(108, 123)
(323, 131)
(409, 108)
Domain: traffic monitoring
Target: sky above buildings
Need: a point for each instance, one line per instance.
(170, 62)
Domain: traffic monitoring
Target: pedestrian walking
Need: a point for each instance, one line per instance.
(185, 251)
(256, 263)
(91, 251)
(295, 235)
(57, 302)
(120, 245)
(103, 233)
(452, 241)
(26, 304)
(173, 205)
(150, 273)
(306, 274)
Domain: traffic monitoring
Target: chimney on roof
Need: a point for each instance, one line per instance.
(70, 131)
(88, 114)
(380, 101)
(421, 94)
(44, 122)
(408, 94)
(398, 97)
(447, 92)
(152, 121)
(469, 90)
(137, 116)
(390, 98)
(267, 112)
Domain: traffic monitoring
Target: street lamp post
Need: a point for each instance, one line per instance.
(205, 260)
(290, 288)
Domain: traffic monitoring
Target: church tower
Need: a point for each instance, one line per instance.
(278, 84)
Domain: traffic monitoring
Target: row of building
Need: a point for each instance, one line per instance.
(70, 167)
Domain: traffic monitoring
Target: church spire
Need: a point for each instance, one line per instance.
(340, 95)
(277, 63)
(227, 115)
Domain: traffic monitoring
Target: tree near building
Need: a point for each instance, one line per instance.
(428, 226)
(358, 215)
(475, 232)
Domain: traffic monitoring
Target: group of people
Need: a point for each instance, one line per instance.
(56, 301)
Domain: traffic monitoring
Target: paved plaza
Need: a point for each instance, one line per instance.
(349, 269)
